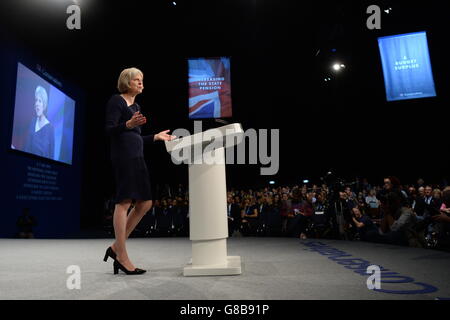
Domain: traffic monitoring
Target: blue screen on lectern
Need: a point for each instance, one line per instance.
(406, 66)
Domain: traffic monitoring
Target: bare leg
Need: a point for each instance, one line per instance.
(131, 221)
(120, 224)
(136, 214)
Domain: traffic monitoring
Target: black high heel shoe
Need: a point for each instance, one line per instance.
(109, 253)
(117, 265)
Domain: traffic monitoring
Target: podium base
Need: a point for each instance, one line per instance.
(232, 267)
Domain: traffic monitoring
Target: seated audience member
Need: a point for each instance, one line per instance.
(352, 200)
(423, 204)
(443, 219)
(320, 204)
(445, 207)
(164, 218)
(261, 208)
(264, 210)
(179, 214)
(285, 209)
(302, 210)
(147, 224)
(421, 191)
(373, 204)
(249, 215)
(231, 223)
(412, 197)
(372, 201)
(273, 219)
(234, 214)
(437, 196)
(367, 230)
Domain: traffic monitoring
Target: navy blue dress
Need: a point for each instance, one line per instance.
(42, 142)
(127, 151)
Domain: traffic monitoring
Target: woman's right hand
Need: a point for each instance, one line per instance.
(136, 120)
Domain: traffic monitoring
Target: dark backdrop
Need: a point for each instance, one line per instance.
(281, 52)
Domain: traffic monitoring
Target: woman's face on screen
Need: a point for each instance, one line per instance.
(38, 106)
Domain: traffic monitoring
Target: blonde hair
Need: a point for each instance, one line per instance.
(437, 191)
(42, 93)
(123, 83)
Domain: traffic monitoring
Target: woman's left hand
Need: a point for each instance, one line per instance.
(163, 136)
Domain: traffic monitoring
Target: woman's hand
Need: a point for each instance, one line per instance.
(136, 120)
(163, 136)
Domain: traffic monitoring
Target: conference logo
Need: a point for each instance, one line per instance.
(209, 148)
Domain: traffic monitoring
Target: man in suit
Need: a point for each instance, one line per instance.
(426, 203)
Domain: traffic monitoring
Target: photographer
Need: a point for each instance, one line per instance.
(402, 230)
(367, 230)
(338, 212)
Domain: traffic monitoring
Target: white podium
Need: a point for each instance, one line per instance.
(208, 221)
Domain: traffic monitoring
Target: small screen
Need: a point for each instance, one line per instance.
(209, 88)
(406, 66)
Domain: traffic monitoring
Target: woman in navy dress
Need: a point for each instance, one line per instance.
(41, 134)
(123, 124)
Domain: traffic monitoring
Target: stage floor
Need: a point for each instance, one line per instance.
(273, 269)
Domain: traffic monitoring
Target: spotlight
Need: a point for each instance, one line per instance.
(271, 182)
(305, 181)
(338, 66)
(174, 3)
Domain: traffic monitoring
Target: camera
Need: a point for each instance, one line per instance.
(335, 183)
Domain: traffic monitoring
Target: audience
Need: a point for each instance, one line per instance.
(410, 215)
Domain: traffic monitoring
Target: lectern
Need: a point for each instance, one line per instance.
(208, 222)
